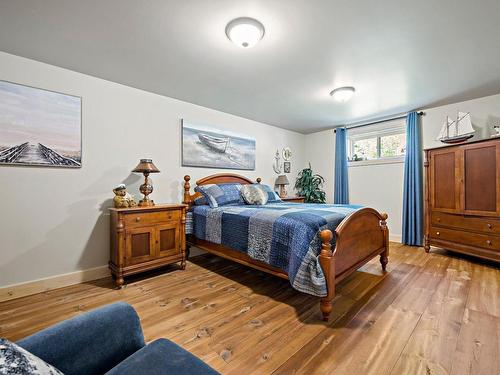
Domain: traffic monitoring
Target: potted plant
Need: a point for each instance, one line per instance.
(309, 186)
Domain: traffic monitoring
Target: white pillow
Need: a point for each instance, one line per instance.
(16, 360)
(253, 194)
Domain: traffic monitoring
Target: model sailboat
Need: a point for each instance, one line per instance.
(456, 131)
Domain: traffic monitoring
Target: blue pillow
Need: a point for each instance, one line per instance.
(221, 194)
(272, 197)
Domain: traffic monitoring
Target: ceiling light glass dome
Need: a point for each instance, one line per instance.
(343, 94)
(245, 32)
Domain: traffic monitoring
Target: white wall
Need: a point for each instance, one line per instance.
(55, 221)
(320, 151)
(381, 186)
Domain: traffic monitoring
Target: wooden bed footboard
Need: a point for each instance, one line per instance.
(359, 238)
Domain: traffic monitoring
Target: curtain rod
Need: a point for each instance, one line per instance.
(421, 113)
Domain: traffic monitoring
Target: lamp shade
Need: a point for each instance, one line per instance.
(146, 166)
(282, 180)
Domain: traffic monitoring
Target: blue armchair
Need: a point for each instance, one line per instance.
(109, 340)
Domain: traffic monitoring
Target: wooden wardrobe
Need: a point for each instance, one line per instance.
(462, 198)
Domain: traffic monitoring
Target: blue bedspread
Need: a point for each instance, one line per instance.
(283, 235)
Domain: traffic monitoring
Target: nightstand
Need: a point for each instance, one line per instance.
(293, 199)
(145, 238)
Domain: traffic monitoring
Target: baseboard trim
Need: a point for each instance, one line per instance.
(395, 237)
(13, 291)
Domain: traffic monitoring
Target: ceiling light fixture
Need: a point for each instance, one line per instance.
(343, 94)
(245, 32)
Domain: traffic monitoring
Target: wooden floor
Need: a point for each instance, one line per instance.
(435, 313)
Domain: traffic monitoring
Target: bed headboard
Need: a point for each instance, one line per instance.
(219, 178)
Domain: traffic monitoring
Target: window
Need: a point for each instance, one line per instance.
(384, 142)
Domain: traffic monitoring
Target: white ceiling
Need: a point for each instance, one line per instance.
(399, 54)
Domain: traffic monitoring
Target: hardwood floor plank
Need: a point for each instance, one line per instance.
(485, 290)
(478, 348)
(435, 337)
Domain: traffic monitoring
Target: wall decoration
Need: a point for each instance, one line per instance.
(39, 127)
(206, 146)
(287, 154)
(286, 167)
(277, 166)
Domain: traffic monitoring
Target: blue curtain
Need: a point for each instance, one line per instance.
(341, 192)
(413, 184)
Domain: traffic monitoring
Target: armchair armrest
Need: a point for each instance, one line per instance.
(91, 343)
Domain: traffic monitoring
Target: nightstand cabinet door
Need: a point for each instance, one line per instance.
(167, 240)
(140, 245)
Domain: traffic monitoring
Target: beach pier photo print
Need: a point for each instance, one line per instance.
(39, 127)
(206, 146)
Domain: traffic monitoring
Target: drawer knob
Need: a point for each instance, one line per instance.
(437, 233)
(488, 242)
(438, 219)
(137, 218)
(490, 226)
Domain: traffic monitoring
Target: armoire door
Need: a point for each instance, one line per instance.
(445, 180)
(481, 179)
(140, 245)
(167, 239)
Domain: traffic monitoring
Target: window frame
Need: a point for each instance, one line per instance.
(378, 131)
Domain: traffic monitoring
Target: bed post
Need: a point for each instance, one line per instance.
(187, 195)
(327, 262)
(259, 180)
(384, 256)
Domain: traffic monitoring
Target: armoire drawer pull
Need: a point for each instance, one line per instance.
(438, 219)
(437, 233)
(488, 242)
(138, 218)
(490, 226)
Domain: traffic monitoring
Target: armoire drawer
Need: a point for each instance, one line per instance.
(485, 225)
(490, 242)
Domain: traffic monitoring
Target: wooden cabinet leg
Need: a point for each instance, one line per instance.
(119, 281)
(427, 246)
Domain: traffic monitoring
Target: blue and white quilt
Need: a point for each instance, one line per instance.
(283, 235)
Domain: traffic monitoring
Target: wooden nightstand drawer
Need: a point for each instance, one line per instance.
(147, 218)
(473, 239)
(486, 225)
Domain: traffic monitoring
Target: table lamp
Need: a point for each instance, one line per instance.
(146, 167)
(282, 181)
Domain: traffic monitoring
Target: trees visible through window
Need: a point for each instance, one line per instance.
(386, 140)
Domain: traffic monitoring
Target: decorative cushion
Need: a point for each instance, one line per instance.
(15, 360)
(200, 201)
(253, 194)
(221, 194)
(272, 197)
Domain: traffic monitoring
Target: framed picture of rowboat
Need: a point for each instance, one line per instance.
(39, 127)
(208, 147)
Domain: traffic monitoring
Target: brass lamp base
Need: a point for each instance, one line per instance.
(146, 202)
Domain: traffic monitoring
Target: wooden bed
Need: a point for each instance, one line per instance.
(360, 237)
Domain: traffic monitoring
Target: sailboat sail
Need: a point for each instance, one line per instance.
(447, 129)
(464, 125)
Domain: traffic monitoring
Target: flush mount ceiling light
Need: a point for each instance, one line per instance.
(245, 32)
(343, 94)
